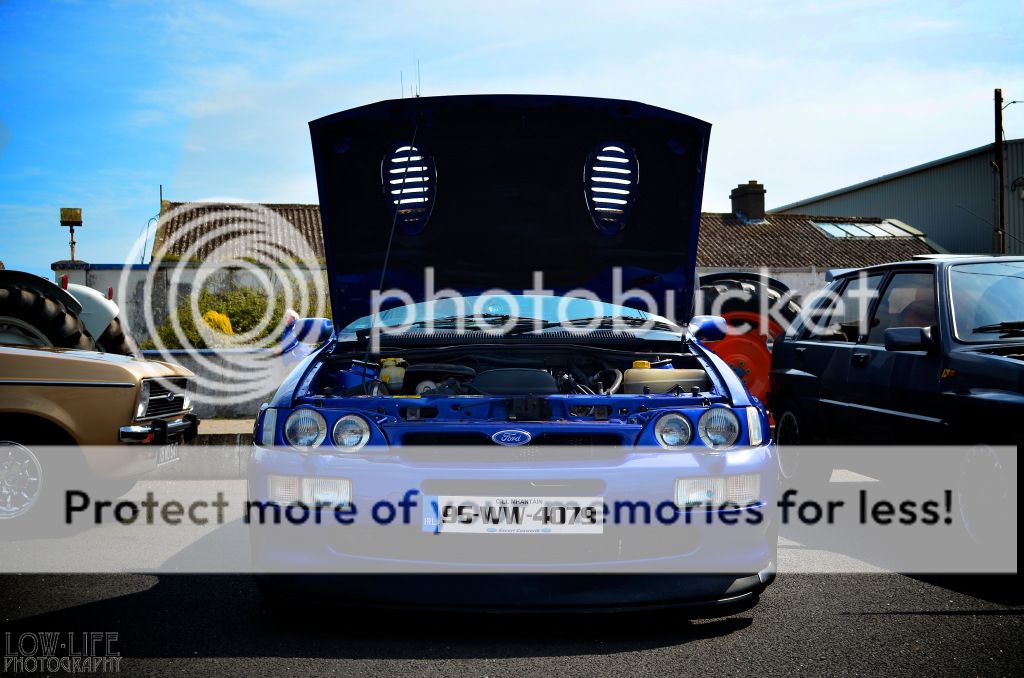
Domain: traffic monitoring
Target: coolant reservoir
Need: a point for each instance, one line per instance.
(662, 380)
(392, 373)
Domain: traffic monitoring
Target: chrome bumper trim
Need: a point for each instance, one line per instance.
(160, 431)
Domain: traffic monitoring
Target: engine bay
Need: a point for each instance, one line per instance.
(512, 372)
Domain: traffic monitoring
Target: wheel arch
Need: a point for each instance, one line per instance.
(47, 430)
(42, 286)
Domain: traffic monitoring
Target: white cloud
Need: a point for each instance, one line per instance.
(806, 97)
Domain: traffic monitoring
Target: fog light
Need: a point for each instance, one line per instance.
(331, 491)
(283, 489)
(700, 491)
(742, 490)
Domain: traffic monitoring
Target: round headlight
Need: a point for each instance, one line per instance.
(719, 427)
(350, 432)
(305, 428)
(673, 431)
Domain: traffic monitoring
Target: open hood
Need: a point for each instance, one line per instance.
(487, 190)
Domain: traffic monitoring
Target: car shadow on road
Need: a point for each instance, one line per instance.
(225, 616)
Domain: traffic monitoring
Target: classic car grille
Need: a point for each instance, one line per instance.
(164, 400)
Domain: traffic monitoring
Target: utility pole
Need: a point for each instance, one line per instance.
(999, 240)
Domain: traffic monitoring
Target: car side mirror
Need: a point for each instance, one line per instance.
(708, 327)
(313, 330)
(909, 339)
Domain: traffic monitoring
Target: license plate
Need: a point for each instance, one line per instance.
(166, 454)
(514, 515)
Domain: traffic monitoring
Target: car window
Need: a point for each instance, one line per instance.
(985, 297)
(843, 317)
(908, 301)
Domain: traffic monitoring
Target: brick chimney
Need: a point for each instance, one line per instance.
(748, 201)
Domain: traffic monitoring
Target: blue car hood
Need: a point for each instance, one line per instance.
(486, 190)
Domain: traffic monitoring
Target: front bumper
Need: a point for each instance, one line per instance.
(161, 431)
(530, 593)
(698, 564)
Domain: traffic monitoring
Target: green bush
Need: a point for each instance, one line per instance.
(244, 307)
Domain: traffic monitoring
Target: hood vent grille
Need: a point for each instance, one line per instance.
(410, 185)
(611, 176)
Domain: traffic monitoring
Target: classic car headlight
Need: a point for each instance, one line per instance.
(305, 428)
(673, 431)
(719, 428)
(350, 432)
(140, 409)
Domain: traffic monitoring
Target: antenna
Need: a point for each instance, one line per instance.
(419, 82)
(401, 80)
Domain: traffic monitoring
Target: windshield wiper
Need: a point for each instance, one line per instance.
(1012, 328)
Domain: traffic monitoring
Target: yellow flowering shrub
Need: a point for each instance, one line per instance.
(218, 322)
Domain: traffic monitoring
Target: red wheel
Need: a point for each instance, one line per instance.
(749, 354)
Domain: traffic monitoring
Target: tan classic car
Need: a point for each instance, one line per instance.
(114, 417)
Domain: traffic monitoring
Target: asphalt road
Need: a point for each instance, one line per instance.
(857, 624)
(804, 624)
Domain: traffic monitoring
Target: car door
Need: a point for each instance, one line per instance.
(813, 364)
(893, 395)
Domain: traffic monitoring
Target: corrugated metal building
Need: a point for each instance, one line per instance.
(953, 200)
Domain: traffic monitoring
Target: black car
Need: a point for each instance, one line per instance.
(926, 352)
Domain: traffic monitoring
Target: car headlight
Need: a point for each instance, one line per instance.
(305, 428)
(140, 409)
(719, 428)
(350, 432)
(673, 431)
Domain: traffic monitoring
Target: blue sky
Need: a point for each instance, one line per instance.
(100, 103)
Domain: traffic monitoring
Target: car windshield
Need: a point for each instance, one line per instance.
(546, 308)
(988, 301)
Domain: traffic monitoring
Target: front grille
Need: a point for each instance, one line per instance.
(578, 439)
(458, 438)
(478, 438)
(166, 396)
(422, 446)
